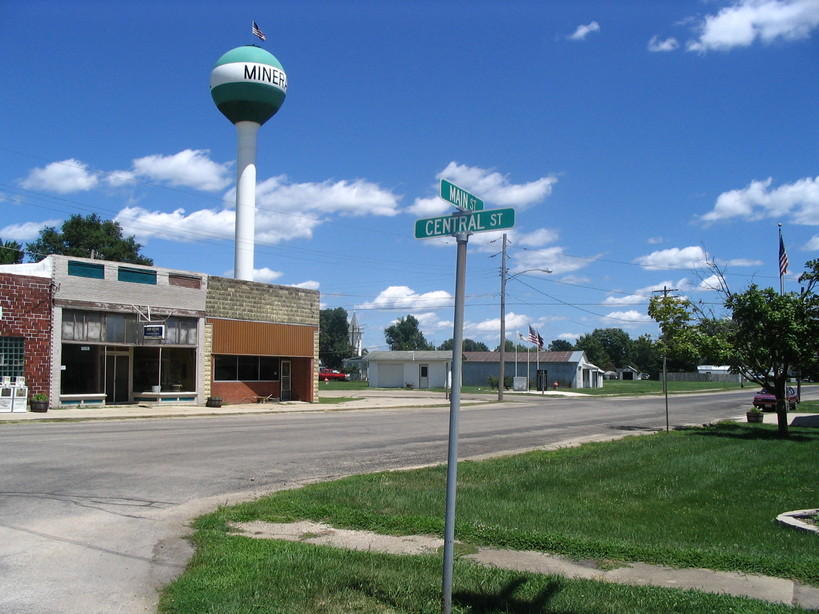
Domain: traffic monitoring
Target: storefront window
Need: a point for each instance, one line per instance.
(81, 371)
(245, 368)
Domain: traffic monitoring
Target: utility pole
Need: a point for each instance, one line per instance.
(665, 292)
(502, 369)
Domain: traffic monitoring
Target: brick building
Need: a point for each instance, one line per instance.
(114, 333)
(25, 329)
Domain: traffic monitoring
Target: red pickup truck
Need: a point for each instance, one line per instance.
(332, 375)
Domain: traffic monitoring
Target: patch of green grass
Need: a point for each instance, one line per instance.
(705, 497)
(238, 575)
(337, 385)
(640, 387)
(810, 407)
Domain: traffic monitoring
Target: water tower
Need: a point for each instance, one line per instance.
(248, 85)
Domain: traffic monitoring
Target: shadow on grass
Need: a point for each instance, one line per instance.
(761, 432)
(477, 603)
(505, 601)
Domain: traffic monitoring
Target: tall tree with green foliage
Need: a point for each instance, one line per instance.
(11, 252)
(770, 334)
(406, 334)
(647, 356)
(334, 337)
(560, 345)
(469, 345)
(88, 237)
(510, 346)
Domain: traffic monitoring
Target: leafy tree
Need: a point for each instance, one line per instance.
(11, 252)
(560, 345)
(595, 353)
(770, 334)
(88, 237)
(406, 335)
(468, 345)
(334, 337)
(510, 346)
(647, 356)
(608, 348)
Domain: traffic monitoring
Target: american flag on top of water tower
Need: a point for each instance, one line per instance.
(258, 32)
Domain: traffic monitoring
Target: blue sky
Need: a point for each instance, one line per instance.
(631, 138)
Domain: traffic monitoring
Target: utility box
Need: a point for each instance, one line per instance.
(520, 384)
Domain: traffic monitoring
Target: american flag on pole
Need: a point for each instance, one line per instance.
(783, 256)
(534, 337)
(258, 32)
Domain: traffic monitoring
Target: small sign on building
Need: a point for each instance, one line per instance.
(153, 331)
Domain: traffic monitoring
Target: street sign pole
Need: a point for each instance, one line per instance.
(454, 409)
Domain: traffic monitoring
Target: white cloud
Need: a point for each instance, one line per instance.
(643, 295)
(308, 285)
(548, 258)
(191, 168)
(629, 317)
(176, 225)
(813, 243)
(747, 21)
(535, 239)
(62, 177)
(357, 197)
(284, 211)
(758, 201)
(514, 322)
(266, 275)
(583, 31)
(405, 298)
(656, 44)
(488, 185)
(710, 283)
(27, 231)
(674, 258)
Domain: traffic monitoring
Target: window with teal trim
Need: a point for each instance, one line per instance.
(86, 269)
(136, 276)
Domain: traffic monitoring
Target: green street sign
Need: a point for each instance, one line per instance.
(477, 221)
(460, 197)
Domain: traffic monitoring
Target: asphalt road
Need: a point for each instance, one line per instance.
(93, 514)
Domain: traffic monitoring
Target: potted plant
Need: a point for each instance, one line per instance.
(214, 402)
(754, 415)
(39, 402)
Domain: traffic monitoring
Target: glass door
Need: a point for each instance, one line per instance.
(117, 375)
(285, 381)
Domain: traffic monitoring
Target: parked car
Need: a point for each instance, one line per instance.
(766, 400)
(332, 375)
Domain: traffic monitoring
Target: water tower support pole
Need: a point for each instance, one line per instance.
(245, 199)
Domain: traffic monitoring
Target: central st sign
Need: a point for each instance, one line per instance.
(460, 197)
(477, 221)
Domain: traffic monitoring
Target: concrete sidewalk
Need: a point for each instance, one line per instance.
(362, 399)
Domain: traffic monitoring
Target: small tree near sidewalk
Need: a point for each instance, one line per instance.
(768, 335)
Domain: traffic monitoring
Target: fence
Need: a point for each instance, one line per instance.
(704, 377)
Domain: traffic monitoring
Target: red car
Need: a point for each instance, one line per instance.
(767, 400)
(332, 375)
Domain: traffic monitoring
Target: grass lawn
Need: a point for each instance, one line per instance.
(704, 497)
